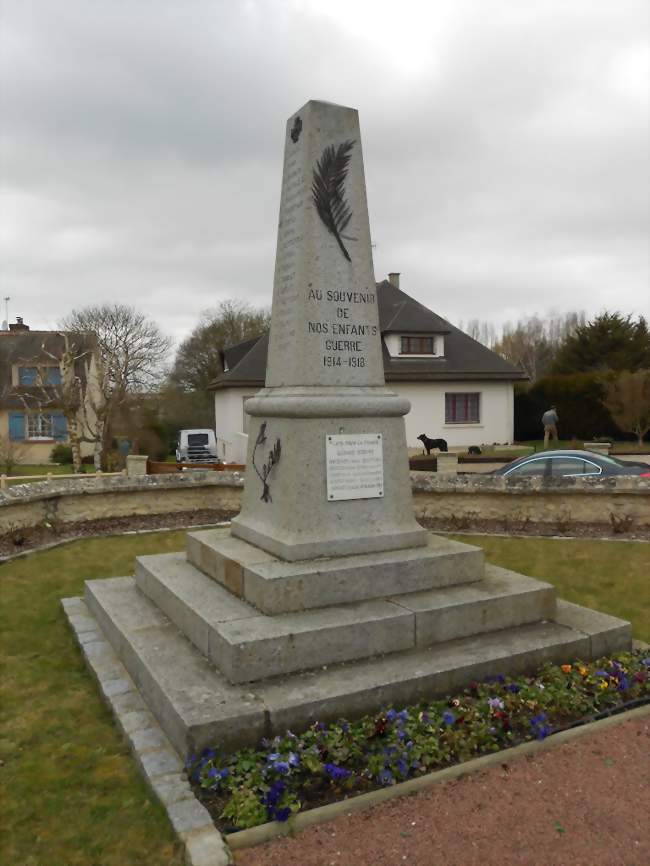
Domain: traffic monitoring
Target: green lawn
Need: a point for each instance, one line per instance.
(611, 576)
(74, 795)
(43, 469)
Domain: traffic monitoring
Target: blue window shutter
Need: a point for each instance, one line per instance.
(27, 375)
(53, 376)
(16, 425)
(59, 426)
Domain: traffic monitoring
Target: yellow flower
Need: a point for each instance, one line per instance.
(566, 669)
(582, 670)
(603, 684)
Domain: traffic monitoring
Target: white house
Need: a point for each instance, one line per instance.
(459, 390)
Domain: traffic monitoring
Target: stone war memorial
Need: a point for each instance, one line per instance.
(325, 598)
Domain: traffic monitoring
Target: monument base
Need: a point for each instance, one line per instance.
(290, 509)
(216, 670)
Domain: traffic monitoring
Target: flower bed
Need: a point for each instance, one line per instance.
(332, 762)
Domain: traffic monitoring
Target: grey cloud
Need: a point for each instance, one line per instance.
(506, 169)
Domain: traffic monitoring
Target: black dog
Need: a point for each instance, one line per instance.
(429, 444)
(474, 449)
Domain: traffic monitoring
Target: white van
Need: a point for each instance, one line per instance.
(197, 446)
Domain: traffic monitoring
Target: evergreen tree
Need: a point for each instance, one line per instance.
(609, 342)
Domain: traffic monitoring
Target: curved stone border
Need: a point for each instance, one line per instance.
(164, 770)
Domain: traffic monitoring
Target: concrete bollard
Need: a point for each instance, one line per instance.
(136, 464)
(447, 464)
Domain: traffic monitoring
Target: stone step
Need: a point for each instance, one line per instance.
(193, 703)
(275, 586)
(501, 600)
(196, 706)
(247, 645)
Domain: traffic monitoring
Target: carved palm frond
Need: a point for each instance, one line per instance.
(328, 190)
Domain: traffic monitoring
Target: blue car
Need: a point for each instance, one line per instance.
(571, 464)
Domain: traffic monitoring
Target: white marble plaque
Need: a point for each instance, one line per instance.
(355, 466)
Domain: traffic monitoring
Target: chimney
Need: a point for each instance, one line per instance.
(18, 325)
(393, 279)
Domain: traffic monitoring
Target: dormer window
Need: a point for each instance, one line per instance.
(416, 345)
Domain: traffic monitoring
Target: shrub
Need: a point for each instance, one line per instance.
(61, 454)
(578, 398)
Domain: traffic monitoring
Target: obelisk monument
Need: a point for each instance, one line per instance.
(327, 464)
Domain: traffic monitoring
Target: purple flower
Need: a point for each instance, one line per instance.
(391, 715)
(294, 760)
(448, 717)
(602, 673)
(539, 726)
(282, 814)
(513, 688)
(272, 757)
(495, 703)
(385, 777)
(272, 796)
(336, 773)
(282, 767)
(402, 767)
(403, 714)
(646, 662)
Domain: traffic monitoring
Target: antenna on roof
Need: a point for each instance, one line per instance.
(5, 324)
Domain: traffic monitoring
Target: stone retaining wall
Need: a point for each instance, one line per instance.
(618, 504)
(457, 502)
(56, 501)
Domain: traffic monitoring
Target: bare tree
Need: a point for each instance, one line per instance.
(628, 399)
(533, 342)
(199, 357)
(132, 352)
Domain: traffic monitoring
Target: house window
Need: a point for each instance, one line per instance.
(416, 346)
(30, 376)
(462, 408)
(40, 426)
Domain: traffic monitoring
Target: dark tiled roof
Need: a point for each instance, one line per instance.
(31, 348)
(464, 358)
(398, 313)
(234, 354)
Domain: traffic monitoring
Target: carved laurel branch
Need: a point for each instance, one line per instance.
(272, 460)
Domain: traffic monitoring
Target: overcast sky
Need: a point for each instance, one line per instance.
(505, 147)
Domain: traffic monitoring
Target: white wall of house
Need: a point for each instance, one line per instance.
(427, 415)
(231, 423)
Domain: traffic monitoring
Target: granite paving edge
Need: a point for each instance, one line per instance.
(157, 759)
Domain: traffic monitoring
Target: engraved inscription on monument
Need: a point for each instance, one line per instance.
(355, 466)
